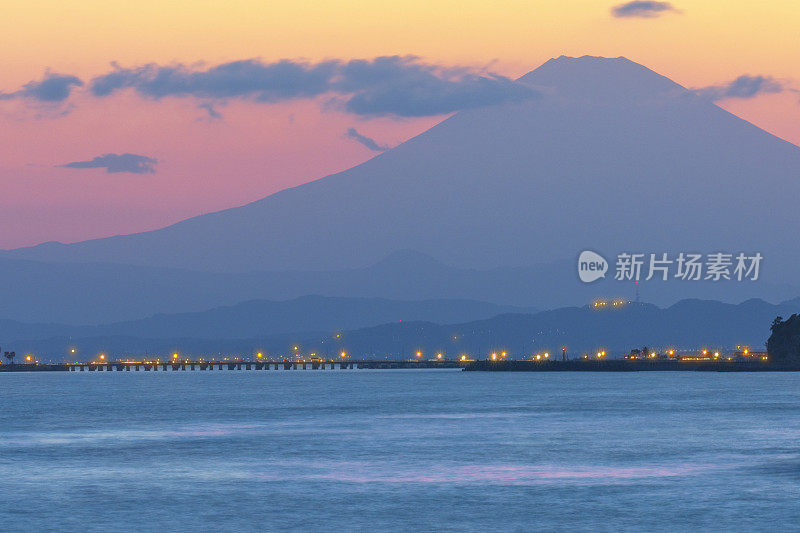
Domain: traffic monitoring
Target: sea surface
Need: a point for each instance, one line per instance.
(399, 450)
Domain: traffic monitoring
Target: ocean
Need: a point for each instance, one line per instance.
(399, 450)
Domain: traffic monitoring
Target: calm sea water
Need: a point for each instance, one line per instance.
(399, 450)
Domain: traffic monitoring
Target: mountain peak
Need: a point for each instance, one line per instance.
(600, 78)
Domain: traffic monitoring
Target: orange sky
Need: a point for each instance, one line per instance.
(258, 148)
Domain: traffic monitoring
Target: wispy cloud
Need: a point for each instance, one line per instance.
(745, 86)
(643, 9)
(51, 88)
(113, 163)
(369, 142)
(211, 110)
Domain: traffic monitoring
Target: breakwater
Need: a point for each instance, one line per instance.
(622, 365)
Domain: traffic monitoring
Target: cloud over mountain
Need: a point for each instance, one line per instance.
(642, 9)
(405, 87)
(113, 163)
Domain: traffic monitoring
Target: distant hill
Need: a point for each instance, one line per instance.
(687, 324)
(103, 293)
(263, 317)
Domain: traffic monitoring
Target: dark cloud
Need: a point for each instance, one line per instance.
(742, 87)
(642, 9)
(136, 164)
(400, 86)
(370, 143)
(52, 88)
(395, 85)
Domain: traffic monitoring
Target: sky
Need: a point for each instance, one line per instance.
(124, 116)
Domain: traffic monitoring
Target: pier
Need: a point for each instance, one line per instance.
(182, 366)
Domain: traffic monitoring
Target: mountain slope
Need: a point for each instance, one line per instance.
(611, 156)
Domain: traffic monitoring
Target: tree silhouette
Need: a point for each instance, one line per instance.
(783, 345)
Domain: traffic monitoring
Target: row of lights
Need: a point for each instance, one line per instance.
(495, 356)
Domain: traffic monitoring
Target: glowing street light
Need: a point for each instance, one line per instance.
(343, 354)
(419, 354)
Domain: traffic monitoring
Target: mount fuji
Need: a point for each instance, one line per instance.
(610, 156)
